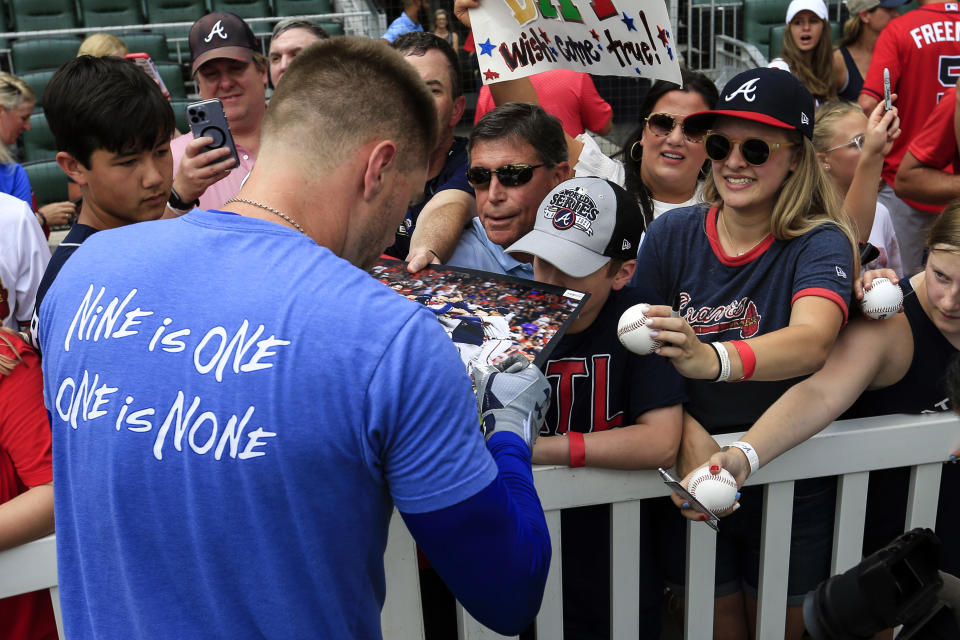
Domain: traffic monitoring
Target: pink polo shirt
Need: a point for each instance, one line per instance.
(219, 192)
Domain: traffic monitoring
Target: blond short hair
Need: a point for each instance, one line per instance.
(102, 44)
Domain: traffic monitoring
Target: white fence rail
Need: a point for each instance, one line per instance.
(849, 449)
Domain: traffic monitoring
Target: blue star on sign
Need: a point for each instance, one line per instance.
(554, 52)
(486, 48)
(627, 20)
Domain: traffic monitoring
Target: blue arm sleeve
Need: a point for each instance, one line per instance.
(492, 549)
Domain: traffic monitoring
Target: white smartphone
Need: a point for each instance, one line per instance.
(674, 484)
(887, 102)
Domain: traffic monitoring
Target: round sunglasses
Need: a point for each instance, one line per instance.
(509, 175)
(755, 151)
(662, 124)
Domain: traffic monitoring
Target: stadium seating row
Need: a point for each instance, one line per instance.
(35, 15)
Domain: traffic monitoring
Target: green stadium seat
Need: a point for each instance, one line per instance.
(152, 44)
(333, 28)
(243, 8)
(172, 77)
(42, 53)
(758, 17)
(158, 11)
(38, 82)
(303, 7)
(48, 181)
(106, 13)
(33, 15)
(38, 143)
(180, 113)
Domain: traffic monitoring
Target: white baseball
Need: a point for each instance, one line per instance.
(883, 300)
(634, 333)
(715, 492)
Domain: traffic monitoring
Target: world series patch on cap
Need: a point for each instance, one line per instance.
(770, 96)
(582, 224)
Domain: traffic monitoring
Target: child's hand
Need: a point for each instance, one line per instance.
(866, 280)
(883, 127)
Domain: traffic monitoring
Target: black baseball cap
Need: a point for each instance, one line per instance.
(221, 35)
(582, 224)
(770, 96)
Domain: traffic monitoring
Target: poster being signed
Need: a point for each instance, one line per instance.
(518, 38)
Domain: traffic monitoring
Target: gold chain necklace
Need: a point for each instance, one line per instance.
(274, 211)
(723, 223)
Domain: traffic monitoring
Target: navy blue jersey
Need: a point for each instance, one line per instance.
(922, 388)
(453, 175)
(737, 298)
(74, 238)
(598, 384)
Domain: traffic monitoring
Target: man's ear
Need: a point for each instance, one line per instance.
(459, 105)
(379, 159)
(559, 173)
(72, 167)
(624, 275)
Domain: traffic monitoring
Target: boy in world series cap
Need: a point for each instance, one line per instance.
(618, 409)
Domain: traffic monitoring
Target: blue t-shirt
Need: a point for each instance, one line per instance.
(14, 180)
(737, 298)
(400, 26)
(235, 411)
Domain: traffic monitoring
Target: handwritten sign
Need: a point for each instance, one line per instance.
(518, 38)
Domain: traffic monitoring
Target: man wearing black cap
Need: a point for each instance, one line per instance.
(227, 64)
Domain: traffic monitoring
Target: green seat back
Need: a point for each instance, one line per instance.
(303, 7)
(333, 28)
(172, 77)
(48, 181)
(179, 107)
(158, 11)
(38, 143)
(33, 15)
(38, 82)
(153, 44)
(243, 8)
(42, 53)
(758, 17)
(104, 13)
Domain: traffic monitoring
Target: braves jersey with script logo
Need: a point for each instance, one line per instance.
(922, 50)
(737, 298)
(598, 384)
(922, 389)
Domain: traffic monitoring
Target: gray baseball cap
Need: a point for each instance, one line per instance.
(582, 224)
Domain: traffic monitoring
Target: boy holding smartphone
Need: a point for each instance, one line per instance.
(112, 128)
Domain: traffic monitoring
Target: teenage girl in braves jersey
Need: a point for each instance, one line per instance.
(764, 273)
(906, 376)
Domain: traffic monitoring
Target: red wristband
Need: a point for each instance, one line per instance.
(578, 452)
(747, 358)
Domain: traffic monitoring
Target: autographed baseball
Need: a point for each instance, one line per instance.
(716, 492)
(634, 332)
(883, 300)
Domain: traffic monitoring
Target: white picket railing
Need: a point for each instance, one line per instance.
(849, 449)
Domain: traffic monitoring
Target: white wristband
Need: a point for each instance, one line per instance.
(724, 373)
(750, 452)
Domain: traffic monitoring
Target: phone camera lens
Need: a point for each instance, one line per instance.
(194, 119)
(202, 115)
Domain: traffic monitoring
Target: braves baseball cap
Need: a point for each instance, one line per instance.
(221, 35)
(582, 224)
(770, 96)
(817, 6)
(856, 6)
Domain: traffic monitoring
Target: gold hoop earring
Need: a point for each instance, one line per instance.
(633, 151)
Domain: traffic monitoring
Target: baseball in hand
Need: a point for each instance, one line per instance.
(634, 332)
(715, 492)
(883, 300)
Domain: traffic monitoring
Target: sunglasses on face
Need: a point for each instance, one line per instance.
(755, 151)
(509, 175)
(852, 142)
(663, 124)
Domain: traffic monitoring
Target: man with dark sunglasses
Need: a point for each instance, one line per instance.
(517, 155)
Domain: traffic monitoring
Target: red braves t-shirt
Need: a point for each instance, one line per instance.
(25, 461)
(922, 50)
